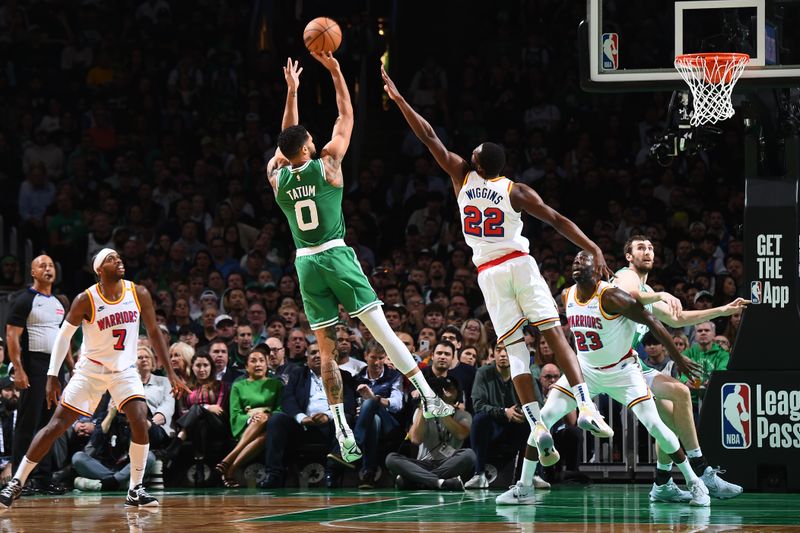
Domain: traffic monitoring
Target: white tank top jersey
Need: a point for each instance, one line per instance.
(111, 334)
(601, 339)
(491, 227)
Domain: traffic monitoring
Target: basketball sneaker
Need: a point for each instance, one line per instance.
(700, 497)
(548, 455)
(592, 421)
(718, 487)
(478, 481)
(539, 483)
(348, 448)
(669, 492)
(138, 497)
(88, 485)
(10, 492)
(517, 494)
(436, 407)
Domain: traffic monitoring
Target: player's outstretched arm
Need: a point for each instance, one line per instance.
(455, 165)
(691, 318)
(157, 340)
(343, 127)
(80, 310)
(628, 281)
(291, 116)
(523, 198)
(617, 301)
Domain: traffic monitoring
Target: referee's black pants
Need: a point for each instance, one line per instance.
(32, 413)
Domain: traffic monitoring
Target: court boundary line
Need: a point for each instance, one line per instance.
(255, 518)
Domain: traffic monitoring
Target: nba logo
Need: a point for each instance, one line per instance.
(736, 416)
(610, 51)
(755, 292)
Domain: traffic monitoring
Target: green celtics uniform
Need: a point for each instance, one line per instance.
(327, 269)
(641, 329)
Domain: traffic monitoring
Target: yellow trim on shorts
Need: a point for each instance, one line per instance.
(75, 409)
(91, 301)
(129, 398)
(602, 311)
(135, 297)
(641, 399)
(562, 389)
(540, 322)
(518, 325)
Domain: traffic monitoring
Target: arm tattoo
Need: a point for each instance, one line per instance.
(334, 163)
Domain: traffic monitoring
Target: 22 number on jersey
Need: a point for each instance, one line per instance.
(488, 223)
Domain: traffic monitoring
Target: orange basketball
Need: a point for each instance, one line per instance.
(322, 35)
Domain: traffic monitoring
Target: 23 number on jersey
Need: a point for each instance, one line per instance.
(489, 223)
(595, 343)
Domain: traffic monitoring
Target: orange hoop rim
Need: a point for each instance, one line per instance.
(705, 57)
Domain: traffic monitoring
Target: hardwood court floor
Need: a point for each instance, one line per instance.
(598, 508)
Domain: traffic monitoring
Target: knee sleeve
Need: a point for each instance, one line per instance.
(398, 353)
(518, 355)
(647, 414)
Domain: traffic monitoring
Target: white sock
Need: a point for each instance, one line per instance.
(528, 471)
(339, 420)
(667, 467)
(398, 353)
(531, 411)
(138, 455)
(693, 453)
(688, 473)
(26, 466)
(581, 392)
(419, 381)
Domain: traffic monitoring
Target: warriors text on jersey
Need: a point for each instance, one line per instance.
(602, 339)
(313, 207)
(490, 224)
(111, 334)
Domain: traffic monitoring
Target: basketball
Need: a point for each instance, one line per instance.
(745, 416)
(322, 35)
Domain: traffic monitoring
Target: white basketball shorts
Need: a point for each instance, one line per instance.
(91, 380)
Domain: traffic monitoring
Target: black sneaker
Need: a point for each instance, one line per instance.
(366, 479)
(453, 484)
(10, 492)
(138, 497)
(271, 481)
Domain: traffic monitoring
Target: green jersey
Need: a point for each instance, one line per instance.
(312, 206)
(641, 329)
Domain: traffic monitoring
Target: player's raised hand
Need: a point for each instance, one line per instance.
(601, 267)
(327, 60)
(389, 86)
(736, 305)
(292, 72)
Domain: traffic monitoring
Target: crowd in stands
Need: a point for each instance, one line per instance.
(144, 126)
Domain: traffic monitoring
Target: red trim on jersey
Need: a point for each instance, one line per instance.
(629, 354)
(500, 260)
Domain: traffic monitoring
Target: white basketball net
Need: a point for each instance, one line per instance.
(711, 78)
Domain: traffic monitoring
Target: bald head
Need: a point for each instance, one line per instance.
(43, 272)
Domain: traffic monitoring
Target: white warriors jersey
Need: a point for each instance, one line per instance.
(602, 339)
(491, 226)
(111, 334)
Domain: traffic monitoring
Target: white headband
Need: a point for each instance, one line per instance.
(101, 256)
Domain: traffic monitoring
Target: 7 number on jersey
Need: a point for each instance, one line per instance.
(120, 334)
(313, 221)
(491, 219)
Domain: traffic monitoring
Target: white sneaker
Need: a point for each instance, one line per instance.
(478, 481)
(718, 487)
(589, 419)
(539, 483)
(669, 492)
(700, 497)
(517, 494)
(548, 455)
(348, 447)
(88, 485)
(436, 407)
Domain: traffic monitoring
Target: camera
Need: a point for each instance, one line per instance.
(679, 136)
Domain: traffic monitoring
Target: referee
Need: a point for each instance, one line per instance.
(33, 324)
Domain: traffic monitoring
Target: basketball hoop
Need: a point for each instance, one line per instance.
(711, 78)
